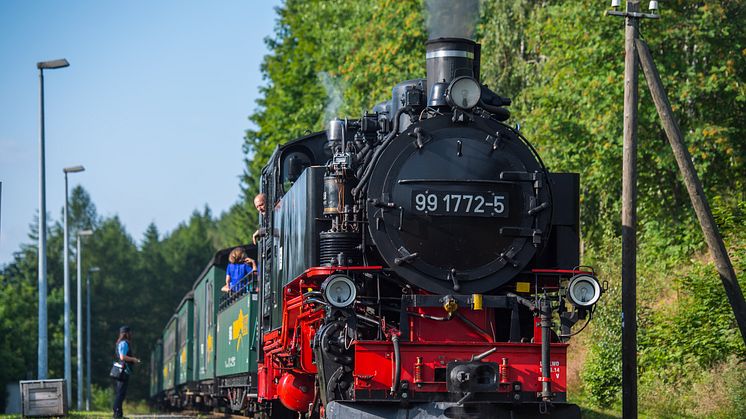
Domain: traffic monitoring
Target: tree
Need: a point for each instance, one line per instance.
(18, 323)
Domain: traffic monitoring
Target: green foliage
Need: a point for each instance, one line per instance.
(602, 375)
(17, 320)
(508, 63)
(692, 344)
(102, 398)
(572, 107)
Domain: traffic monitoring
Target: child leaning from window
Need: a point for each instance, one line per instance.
(238, 267)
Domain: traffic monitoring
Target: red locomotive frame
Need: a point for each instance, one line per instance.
(288, 369)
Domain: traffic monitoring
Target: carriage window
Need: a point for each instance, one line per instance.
(208, 307)
(182, 329)
(168, 350)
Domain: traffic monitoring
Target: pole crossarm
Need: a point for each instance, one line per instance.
(697, 195)
(636, 15)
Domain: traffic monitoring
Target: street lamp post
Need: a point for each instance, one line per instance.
(88, 338)
(81, 233)
(42, 367)
(66, 264)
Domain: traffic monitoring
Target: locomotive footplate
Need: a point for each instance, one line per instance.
(507, 372)
(438, 410)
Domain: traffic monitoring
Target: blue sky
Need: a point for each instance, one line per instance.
(154, 105)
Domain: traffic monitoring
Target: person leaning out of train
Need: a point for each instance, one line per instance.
(260, 203)
(239, 265)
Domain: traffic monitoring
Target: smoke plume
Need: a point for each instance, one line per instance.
(334, 95)
(452, 18)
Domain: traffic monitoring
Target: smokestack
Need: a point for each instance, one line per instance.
(448, 58)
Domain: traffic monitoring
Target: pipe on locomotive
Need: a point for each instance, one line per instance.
(396, 381)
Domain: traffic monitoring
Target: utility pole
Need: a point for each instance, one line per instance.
(635, 49)
(632, 18)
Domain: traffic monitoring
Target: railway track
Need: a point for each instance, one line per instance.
(189, 414)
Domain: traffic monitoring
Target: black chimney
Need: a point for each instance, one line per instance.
(448, 58)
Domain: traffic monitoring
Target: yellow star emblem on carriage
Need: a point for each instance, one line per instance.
(240, 328)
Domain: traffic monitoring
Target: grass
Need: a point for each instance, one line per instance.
(137, 407)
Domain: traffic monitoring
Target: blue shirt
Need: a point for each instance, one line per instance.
(235, 272)
(123, 348)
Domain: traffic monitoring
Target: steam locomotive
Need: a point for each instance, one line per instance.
(420, 261)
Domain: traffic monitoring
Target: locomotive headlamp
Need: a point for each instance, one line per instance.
(339, 291)
(464, 92)
(584, 290)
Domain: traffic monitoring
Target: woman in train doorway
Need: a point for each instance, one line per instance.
(123, 353)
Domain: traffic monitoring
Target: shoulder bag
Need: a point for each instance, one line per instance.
(117, 370)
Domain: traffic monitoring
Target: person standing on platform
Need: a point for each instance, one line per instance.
(123, 353)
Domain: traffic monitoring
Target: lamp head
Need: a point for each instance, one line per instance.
(94, 269)
(85, 233)
(73, 169)
(53, 64)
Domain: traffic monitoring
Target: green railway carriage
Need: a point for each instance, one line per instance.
(206, 298)
(185, 324)
(187, 362)
(237, 336)
(169, 355)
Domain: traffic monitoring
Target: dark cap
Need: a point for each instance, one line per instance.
(124, 329)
